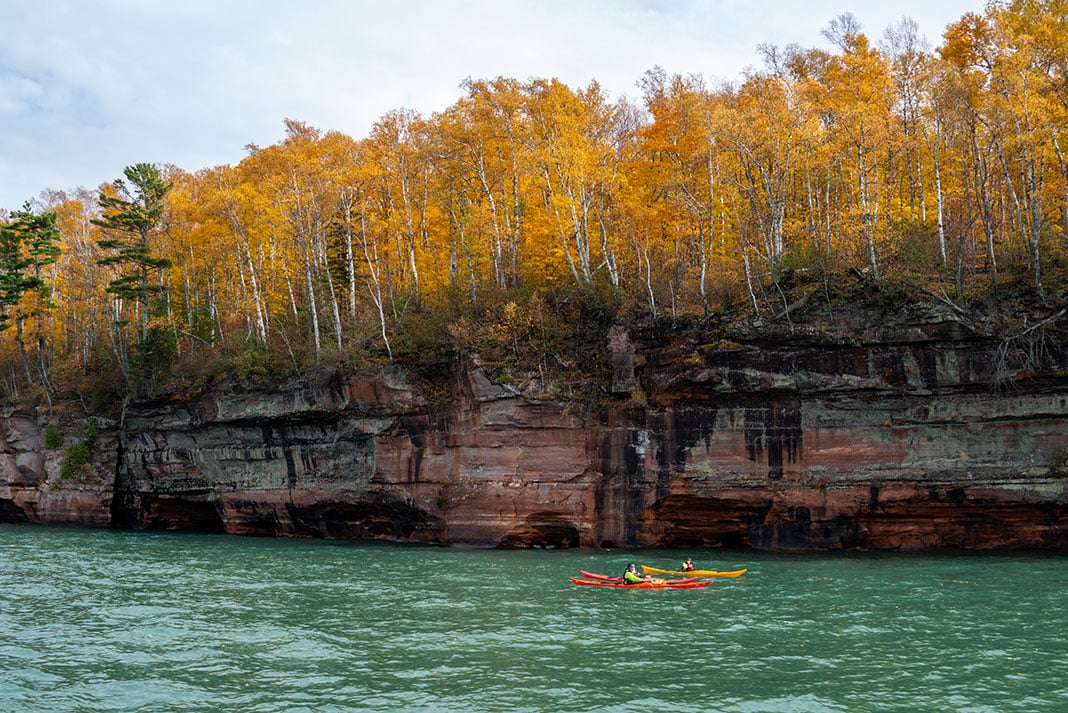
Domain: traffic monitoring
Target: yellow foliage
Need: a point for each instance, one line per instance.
(322, 241)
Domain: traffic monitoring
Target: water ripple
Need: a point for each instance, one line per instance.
(117, 621)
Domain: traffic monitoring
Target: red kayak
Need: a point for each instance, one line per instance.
(619, 580)
(640, 585)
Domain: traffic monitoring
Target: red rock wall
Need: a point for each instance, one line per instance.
(32, 488)
(894, 442)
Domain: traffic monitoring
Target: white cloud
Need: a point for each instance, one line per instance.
(88, 88)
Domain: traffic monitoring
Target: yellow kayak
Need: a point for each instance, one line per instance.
(694, 573)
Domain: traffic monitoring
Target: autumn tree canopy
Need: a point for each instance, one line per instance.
(503, 218)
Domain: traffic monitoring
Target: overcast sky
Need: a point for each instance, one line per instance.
(88, 87)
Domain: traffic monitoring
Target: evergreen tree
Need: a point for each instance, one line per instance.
(13, 280)
(39, 238)
(130, 215)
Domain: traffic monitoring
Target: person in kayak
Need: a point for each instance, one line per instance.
(687, 566)
(631, 576)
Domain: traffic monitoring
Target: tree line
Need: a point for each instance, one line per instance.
(500, 221)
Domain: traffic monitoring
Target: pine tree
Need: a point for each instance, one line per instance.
(13, 280)
(37, 246)
(130, 215)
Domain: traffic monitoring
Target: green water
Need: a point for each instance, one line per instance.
(121, 621)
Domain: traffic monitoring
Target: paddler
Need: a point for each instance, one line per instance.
(631, 576)
(687, 566)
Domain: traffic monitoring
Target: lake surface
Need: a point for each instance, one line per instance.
(133, 621)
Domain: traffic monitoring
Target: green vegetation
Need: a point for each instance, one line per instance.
(52, 437)
(76, 458)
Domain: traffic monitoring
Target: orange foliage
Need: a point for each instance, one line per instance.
(323, 242)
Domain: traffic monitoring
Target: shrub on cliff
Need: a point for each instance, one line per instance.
(92, 434)
(74, 460)
(52, 437)
(253, 366)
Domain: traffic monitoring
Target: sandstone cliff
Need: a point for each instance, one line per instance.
(911, 437)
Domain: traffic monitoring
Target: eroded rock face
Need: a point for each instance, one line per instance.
(32, 486)
(363, 459)
(894, 440)
(899, 442)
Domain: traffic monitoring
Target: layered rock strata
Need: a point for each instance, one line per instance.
(910, 438)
